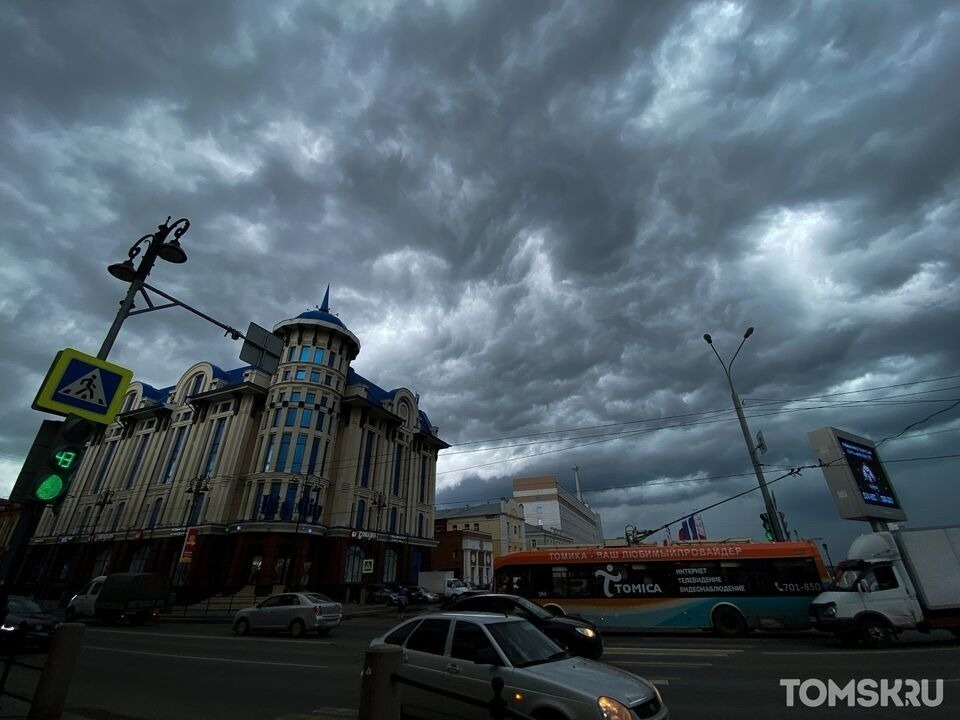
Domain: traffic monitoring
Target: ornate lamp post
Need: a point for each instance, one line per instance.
(310, 483)
(196, 486)
(771, 509)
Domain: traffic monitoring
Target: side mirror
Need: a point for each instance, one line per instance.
(487, 656)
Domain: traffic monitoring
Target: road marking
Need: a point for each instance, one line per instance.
(313, 641)
(669, 651)
(826, 652)
(658, 663)
(208, 659)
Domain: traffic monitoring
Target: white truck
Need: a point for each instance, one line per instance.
(442, 582)
(890, 582)
(133, 597)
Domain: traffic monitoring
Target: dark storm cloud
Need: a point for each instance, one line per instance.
(529, 212)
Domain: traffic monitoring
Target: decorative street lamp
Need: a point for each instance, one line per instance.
(196, 486)
(157, 246)
(774, 517)
(310, 483)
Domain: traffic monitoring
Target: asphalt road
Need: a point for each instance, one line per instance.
(201, 671)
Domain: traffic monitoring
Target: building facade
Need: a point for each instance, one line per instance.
(314, 477)
(502, 521)
(468, 553)
(547, 505)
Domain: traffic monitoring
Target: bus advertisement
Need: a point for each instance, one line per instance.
(727, 587)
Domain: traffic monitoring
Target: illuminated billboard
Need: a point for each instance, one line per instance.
(855, 476)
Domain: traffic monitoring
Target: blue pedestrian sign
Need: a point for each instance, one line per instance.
(80, 384)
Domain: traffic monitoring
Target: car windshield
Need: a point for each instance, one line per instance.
(523, 644)
(24, 606)
(845, 579)
(318, 598)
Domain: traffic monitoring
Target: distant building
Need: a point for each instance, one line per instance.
(502, 520)
(547, 505)
(9, 517)
(468, 553)
(539, 536)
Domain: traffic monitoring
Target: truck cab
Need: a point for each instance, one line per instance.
(84, 603)
(872, 596)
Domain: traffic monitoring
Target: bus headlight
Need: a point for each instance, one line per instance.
(611, 709)
(587, 632)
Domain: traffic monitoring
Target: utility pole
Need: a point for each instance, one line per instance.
(576, 478)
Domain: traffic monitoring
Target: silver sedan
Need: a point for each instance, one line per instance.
(463, 652)
(297, 613)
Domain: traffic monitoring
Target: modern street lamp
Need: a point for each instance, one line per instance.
(157, 245)
(771, 509)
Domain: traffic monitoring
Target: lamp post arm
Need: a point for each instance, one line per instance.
(231, 331)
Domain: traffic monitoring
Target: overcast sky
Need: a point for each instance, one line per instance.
(529, 213)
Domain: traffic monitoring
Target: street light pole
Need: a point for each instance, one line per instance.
(157, 246)
(197, 487)
(757, 468)
(308, 486)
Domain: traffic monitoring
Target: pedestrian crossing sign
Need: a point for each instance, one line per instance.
(80, 384)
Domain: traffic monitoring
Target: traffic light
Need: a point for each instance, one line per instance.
(53, 459)
(767, 526)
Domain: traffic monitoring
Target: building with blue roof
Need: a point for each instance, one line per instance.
(313, 477)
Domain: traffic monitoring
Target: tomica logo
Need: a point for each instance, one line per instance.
(612, 585)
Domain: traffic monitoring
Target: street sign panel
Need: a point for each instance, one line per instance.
(262, 349)
(83, 385)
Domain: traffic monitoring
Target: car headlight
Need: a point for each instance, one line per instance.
(828, 610)
(8, 628)
(611, 709)
(587, 632)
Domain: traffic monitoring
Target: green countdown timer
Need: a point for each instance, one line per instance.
(49, 488)
(65, 459)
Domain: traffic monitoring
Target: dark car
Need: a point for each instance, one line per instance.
(26, 624)
(579, 636)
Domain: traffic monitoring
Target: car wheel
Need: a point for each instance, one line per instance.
(297, 628)
(728, 622)
(241, 626)
(875, 633)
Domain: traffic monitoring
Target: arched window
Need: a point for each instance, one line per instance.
(393, 521)
(361, 510)
(419, 524)
(128, 402)
(354, 561)
(197, 384)
(389, 566)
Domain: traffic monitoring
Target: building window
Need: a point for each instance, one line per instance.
(286, 374)
(422, 494)
(320, 418)
(351, 573)
(328, 380)
(137, 459)
(257, 501)
(323, 463)
(276, 417)
(419, 524)
(389, 565)
(84, 518)
(312, 465)
(361, 511)
(155, 513)
(392, 527)
(268, 455)
(318, 356)
(286, 510)
(476, 526)
(365, 468)
(107, 458)
(197, 385)
(397, 463)
(333, 359)
(117, 515)
(300, 374)
(304, 354)
(128, 402)
(298, 454)
(314, 377)
(291, 354)
(306, 417)
(284, 450)
(291, 417)
(174, 455)
(214, 447)
(271, 502)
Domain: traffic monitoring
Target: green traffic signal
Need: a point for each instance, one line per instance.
(66, 459)
(49, 488)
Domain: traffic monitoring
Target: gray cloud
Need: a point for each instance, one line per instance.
(529, 213)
